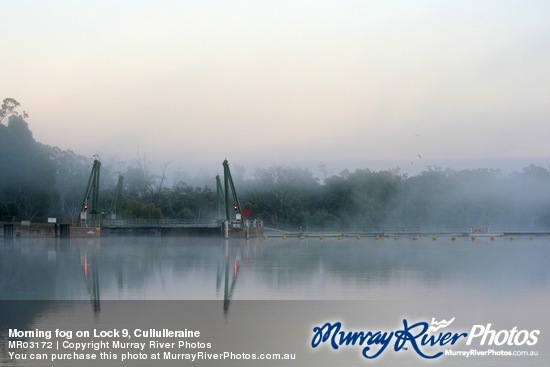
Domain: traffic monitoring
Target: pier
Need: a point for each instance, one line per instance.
(128, 227)
(160, 227)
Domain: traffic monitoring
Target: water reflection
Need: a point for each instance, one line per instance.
(198, 268)
(231, 273)
(506, 282)
(420, 271)
(92, 277)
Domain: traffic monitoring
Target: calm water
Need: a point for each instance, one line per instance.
(505, 282)
(276, 269)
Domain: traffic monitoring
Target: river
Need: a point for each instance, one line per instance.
(274, 292)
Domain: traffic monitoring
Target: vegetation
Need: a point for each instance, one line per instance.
(37, 180)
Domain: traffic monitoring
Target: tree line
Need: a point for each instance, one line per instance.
(37, 180)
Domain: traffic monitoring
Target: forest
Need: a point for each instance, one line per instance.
(38, 181)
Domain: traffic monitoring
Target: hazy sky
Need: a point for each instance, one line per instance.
(357, 84)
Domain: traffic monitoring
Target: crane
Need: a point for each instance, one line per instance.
(91, 190)
(116, 204)
(228, 183)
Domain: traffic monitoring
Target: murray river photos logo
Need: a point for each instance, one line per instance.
(428, 340)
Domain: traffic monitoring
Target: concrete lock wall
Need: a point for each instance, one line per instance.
(29, 230)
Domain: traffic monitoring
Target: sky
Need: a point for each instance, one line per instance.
(346, 84)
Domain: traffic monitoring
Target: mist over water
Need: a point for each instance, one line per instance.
(277, 268)
(39, 181)
(414, 123)
(279, 288)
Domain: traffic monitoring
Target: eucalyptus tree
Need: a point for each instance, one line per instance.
(8, 109)
(27, 176)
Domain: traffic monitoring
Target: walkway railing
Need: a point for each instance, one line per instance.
(161, 223)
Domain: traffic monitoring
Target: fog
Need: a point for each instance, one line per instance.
(41, 181)
(348, 84)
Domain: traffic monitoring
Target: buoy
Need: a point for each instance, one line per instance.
(285, 238)
(414, 238)
(434, 238)
(302, 237)
(339, 237)
(396, 238)
(473, 238)
(265, 238)
(453, 238)
(357, 238)
(321, 238)
(492, 238)
(376, 238)
(511, 238)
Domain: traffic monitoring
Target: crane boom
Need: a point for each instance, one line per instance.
(93, 190)
(228, 181)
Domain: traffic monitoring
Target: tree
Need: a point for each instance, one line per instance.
(283, 195)
(154, 185)
(187, 202)
(137, 209)
(27, 173)
(9, 109)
